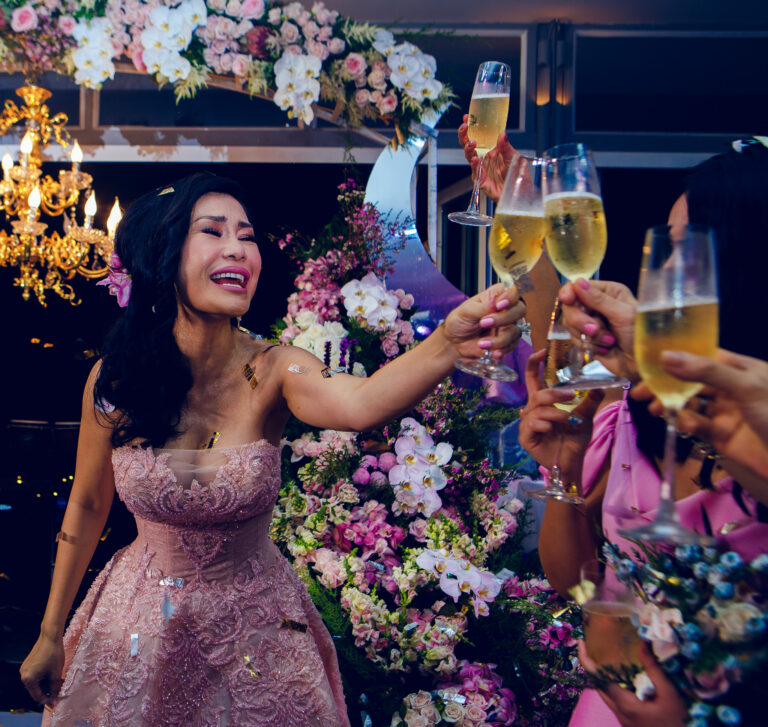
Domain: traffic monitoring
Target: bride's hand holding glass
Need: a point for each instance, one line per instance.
(486, 322)
(604, 312)
(495, 164)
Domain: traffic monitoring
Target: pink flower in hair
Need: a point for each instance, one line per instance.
(118, 279)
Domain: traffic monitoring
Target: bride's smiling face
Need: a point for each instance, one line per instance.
(220, 261)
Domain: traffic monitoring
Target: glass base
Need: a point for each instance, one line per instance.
(556, 493)
(474, 219)
(495, 370)
(590, 376)
(666, 531)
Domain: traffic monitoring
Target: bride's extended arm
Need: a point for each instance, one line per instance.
(87, 510)
(350, 403)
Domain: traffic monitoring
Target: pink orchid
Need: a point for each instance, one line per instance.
(118, 279)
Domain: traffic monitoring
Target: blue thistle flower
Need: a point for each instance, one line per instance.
(724, 590)
(728, 715)
(690, 650)
(717, 573)
(701, 570)
(731, 560)
(757, 625)
(699, 709)
(710, 554)
(690, 632)
(684, 553)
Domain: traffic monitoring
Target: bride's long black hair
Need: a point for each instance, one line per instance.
(143, 373)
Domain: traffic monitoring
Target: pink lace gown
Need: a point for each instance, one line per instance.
(631, 497)
(200, 622)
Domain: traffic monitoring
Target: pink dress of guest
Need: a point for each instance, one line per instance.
(630, 500)
(200, 622)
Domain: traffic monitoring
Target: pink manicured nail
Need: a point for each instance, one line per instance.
(584, 284)
(590, 329)
(502, 304)
(484, 343)
(608, 339)
(486, 322)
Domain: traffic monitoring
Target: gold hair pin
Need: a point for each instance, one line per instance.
(167, 190)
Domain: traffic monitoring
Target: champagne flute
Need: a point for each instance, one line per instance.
(514, 247)
(610, 636)
(576, 238)
(487, 119)
(677, 309)
(559, 349)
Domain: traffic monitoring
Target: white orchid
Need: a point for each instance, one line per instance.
(384, 42)
(94, 53)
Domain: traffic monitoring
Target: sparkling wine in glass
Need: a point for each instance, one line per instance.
(487, 119)
(677, 310)
(576, 239)
(514, 247)
(610, 635)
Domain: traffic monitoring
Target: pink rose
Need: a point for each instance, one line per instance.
(380, 66)
(361, 81)
(418, 529)
(336, 45)
(317, 49)
(406, 301)
(67, 24)
(226, 62)
(252, 9)
(323, 15)
(23, 19)
(387, 461)
(240, 65)
(310, 29)
(303, 18)
(389, 347)
(378, 479)
(354, 65)
(376, 96)
(274, 15)
(377, 79)
(289, 32)
(388, 104)
(324, 34)
(362, 97)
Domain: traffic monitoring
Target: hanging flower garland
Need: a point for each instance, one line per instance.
(295, 55)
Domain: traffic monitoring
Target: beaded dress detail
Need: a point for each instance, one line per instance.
(200, 622)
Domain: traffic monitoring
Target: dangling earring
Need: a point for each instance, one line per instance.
(153, 308)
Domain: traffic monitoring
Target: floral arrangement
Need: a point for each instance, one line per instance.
(295, 54)
(409, 538)
(118, 280)
(705, 616)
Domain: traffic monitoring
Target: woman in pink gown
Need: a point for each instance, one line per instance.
(201, 622)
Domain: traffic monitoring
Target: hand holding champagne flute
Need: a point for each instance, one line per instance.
(487, 119)
(677, 310)
(576, 239)
(514, 247)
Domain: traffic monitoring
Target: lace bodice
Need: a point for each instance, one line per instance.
(198, 486)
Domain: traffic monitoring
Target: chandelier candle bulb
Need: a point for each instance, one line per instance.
(26, 149)
(114, 218)
(90, 211)
(34, 202)
(7, 166)
(76, 155)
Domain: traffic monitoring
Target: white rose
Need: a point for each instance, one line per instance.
(359, 370)
(453, 712)
(275, 15)
(732, 621)
(420, 700)
(335, 329)
(414, 719)
(305, 318)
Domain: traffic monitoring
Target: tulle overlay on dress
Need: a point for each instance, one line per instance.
(200, 621)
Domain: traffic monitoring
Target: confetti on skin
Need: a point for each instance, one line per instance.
(296, 369)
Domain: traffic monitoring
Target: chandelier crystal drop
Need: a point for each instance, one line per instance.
(46, 261)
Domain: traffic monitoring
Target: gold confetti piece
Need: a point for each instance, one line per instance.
(250, 375)
(253, 672)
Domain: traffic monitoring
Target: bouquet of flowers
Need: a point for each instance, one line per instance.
(296, 55)
(705, 616)
(409, 538)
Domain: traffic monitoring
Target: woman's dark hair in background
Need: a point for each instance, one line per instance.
(143, 373)
(729, 193)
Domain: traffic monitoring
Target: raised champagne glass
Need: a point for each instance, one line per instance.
(610, 636)
(487, 118)
(677, 310)
(576, 239)
(514, 247)
(560, 348)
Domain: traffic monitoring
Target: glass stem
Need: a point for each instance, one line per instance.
(666, 499)
(556, 478)
(474, 204)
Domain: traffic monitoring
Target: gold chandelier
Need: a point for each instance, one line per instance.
(45, 261)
